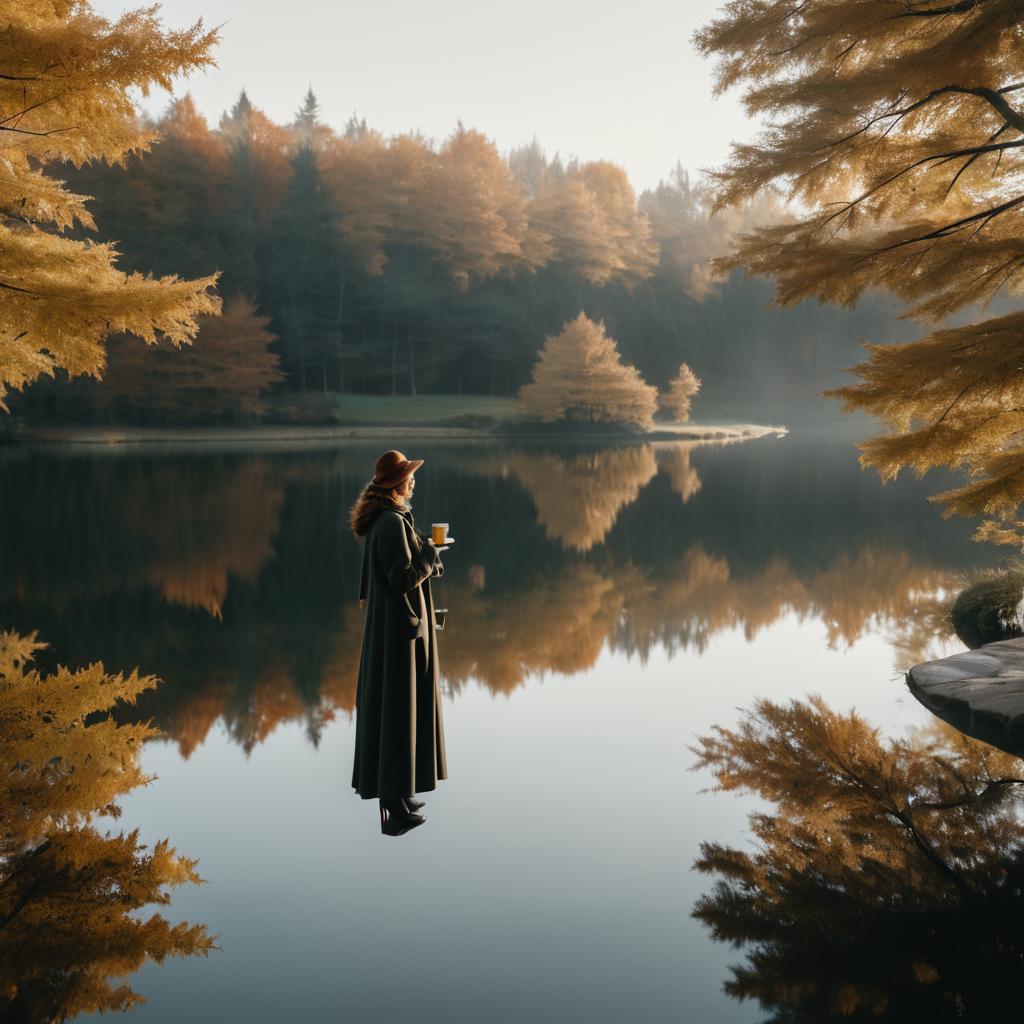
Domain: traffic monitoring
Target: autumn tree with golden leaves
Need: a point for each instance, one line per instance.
(897, 126)
(579, 375)
(69, 893)
(66, 75)
(222, 375)
(884, 880)
(680, 392)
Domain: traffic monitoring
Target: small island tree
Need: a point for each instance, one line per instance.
(679, 394)
(580, 376)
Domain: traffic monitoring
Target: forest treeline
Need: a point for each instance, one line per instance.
(399, 265)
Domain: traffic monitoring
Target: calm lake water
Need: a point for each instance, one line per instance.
(608, 605)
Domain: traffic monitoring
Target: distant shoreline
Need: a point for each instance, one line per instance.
(303, 435)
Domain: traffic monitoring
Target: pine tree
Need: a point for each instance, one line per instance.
(65, 95)
(579, 375)
(258, 175)
(304, 287)
(897, 126)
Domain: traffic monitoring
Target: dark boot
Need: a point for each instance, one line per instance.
(395, 820)
(413, 805)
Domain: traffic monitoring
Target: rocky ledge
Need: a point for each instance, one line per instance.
(979, 692)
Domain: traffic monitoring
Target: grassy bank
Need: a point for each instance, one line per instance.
(341, 417)
(424, 410)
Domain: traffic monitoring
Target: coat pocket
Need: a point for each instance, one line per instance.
(410, 617)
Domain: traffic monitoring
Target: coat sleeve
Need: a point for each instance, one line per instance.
(405, 569)
(438, 569)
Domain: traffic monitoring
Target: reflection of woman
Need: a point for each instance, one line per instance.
(399, 746)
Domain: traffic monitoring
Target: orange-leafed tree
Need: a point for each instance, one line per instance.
(679, 394)
(360, 172)
(904, 857)
(629, 228)
(65, 95)
(580, 376)
(470, 212)
(69, 894)
(691, 234)
(223, 375)
(572, 230)
(898, 127)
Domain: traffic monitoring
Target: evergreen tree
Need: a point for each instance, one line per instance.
(305, 290)
(241, 273)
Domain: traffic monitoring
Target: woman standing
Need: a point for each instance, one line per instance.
(399, 746)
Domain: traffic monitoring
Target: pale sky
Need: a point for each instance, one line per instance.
(590, 79)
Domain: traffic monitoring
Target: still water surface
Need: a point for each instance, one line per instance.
(607, 607)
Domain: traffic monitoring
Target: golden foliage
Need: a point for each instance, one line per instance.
(360, 173)
(222, 374)
(880, 850)
(471, 215)
(227, 531)
(579, 498)
(691, 234)
(587, 219)
(68, 894)
(58, 772)
(896, 125)
(674, 458)
(558, 626)
(459, 203)
(680, 392)
(579, 375)
(65, 95)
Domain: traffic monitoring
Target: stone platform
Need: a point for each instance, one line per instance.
(979, 692)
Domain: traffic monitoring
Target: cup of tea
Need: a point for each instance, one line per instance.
(440, 614)
(439, 533)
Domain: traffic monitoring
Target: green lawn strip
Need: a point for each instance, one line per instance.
(422, 409)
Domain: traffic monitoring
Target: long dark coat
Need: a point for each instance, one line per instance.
(399, 733)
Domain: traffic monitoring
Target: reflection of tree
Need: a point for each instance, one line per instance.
(556, 627)
(179, 527)
(675, 460)
(67, 892)
(579, 497)
(232, 577)
(887, 882)
(203, 535)
(562, 620)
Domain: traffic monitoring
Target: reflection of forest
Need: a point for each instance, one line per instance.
(886, 881)
(233, 577)
(69, 893)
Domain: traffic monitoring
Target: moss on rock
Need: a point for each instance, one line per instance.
(990, 609)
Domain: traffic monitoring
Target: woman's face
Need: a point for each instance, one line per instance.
(405, 488)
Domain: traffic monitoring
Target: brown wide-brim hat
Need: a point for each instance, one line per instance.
(393, 467)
